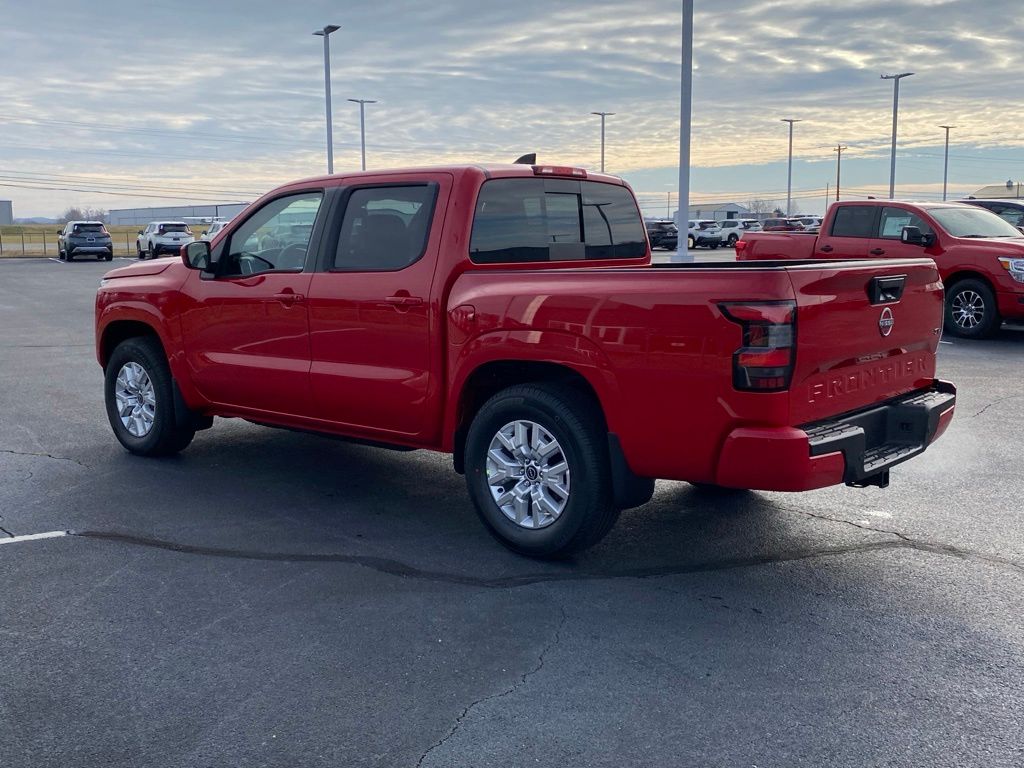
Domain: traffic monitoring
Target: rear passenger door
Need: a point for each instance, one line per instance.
(849, 233)
(372, 325)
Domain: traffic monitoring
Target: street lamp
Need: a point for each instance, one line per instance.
(603, 115)
(789, 174)
(945, 162)
(325, 33)
(685, 109)
(895, 114)
(362, 123)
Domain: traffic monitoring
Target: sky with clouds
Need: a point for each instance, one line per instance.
(169, 103)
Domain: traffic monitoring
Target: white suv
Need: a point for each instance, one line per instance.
(704, 232)
(211, 231)
(733, 229)
(162, 237)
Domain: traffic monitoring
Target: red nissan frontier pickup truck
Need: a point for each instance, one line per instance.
(980, 255)
(511, 316)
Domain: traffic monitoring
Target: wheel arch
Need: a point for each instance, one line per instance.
(118, 331)
(960, 275)
(489, 378)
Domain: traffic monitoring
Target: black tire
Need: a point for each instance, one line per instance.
(173, 425)
(109, 256)
(963, 295)
(138, 250)
(690, 243)
(69, 255)
(714, 246)
(575, 423)
(732, 241)
(60, 254)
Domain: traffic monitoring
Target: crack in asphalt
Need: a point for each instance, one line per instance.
(4, 530)
(393, 567)
(994, 402)
(43, 456)
(921, 545)
(508, 691)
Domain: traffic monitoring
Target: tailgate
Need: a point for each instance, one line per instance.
(866, 332)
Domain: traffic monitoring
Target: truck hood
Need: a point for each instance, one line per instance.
(142, 269)
(1008, 246)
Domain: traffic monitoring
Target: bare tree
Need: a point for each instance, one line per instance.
(759, 208)
(83, 214)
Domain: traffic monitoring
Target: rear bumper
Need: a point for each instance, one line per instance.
(174, 248)
(857, 449)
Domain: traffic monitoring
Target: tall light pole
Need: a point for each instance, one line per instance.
(685, 111)
(945, 162)
(839, 165)
(603, 116)
(362, 123)
(895, 115)
(325, 33)
(789, 173)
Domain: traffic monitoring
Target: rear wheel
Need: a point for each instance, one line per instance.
(141, 407)
(732, 241)
(69, 255)
(690, 243)
(109, 256)
(538, 471)
(714, 246)
(971, 310)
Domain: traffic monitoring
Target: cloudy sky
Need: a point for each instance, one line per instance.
(219, 101)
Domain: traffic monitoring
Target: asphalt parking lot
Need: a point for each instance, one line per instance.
(276, 599)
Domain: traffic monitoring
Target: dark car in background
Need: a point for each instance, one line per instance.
(663, 233)
(1011, 211)
(84, 237)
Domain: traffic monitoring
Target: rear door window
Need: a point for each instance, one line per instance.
(531, 220)
(385, 228)
(854, 221)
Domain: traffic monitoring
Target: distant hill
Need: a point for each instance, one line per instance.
(37, 220)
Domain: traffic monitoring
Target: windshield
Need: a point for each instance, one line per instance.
(973, 222)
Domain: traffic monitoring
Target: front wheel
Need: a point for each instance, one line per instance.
(971, 311)
(538, 471)
(714, 246)
(732, 241)
(139, 395)
(690, 243)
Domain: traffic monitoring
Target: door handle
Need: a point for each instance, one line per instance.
(289, 297)
(404, 301)
(827, 248)
(877, 251)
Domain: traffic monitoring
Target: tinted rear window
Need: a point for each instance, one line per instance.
(854, 221)
(521, 220)
(82, 228)
(174, 228)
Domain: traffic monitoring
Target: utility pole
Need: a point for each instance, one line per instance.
(839, 164)
(325, 33)
(895, 116)
(945, 162)
(362, 124)
(603, 115)
(827, 188)
(789, 173)
(685, 110)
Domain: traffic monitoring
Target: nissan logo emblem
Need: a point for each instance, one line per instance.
(886, 322)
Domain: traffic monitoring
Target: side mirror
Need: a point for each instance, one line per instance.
(140, 231)
(196, 255)
(203, 233)
(1021, 230)
(912, 236)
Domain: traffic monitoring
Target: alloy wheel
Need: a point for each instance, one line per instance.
(528, 474)
(136, 399)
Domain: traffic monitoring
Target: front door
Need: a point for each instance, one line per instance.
(372, 327)
(246, 326)
(887, 245)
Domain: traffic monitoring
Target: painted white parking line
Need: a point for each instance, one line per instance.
(56, 260)
(946, 342)
(34, 537)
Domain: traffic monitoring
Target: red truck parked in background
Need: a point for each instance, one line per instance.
(980, 256)
(511, 316)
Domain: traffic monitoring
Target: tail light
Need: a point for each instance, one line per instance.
(765, 361)
(741, 246)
